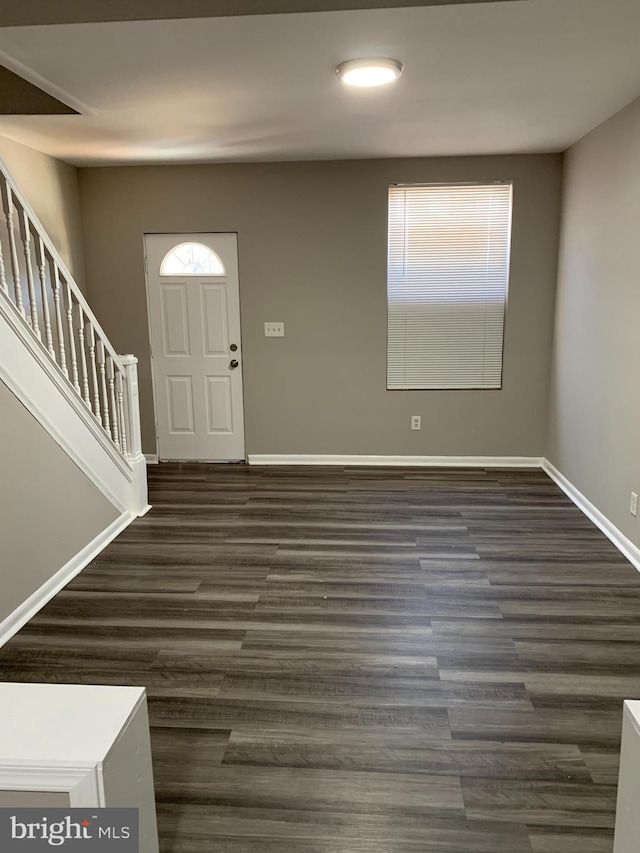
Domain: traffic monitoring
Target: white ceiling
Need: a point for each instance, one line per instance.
(481, 78)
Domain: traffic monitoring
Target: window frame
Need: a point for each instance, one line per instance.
(175, 248)
(435, 184)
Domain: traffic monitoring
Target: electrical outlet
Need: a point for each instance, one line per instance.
(633, 504)
(416, 422)
(274, 330)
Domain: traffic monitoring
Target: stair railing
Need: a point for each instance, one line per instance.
(35, 280)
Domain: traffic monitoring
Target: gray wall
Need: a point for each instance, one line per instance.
(51, 188)
(312, 247)
(49, 510)
(594, 432)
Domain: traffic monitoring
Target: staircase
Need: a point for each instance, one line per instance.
(58, 361)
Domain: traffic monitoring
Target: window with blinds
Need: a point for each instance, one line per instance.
(448, 275)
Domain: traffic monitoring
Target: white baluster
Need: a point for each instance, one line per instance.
(3, 280)
(26, 242)
(42, 272)
(72, 336)
(13, 252)
(91, 340)
(83, 360)
(103, 386)
(115, 430)
(65, 323)
(55, 281)
(121, 415)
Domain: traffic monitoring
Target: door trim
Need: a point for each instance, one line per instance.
(155, 457)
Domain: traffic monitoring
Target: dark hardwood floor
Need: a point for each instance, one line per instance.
(361, 660)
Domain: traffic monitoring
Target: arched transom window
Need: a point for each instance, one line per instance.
(191, 259)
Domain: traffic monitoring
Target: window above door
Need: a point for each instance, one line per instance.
(191, 259)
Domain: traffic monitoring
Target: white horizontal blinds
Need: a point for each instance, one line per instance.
(447, 285)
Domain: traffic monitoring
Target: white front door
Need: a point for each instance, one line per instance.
(194, 312)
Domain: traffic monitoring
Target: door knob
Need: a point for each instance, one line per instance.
(233, 364)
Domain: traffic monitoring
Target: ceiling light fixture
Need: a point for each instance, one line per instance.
(369, 72)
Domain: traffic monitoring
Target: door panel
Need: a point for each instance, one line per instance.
(219, 407)
(214, 313)
(194, 319)
(180, 404)
(175, 323)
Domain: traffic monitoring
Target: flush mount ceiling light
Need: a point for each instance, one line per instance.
(369, 72)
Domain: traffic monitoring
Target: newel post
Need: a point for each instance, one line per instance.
(135, 456)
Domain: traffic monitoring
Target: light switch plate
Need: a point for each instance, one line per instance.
(274, 330)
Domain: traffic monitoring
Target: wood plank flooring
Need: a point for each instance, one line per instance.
(354, 660)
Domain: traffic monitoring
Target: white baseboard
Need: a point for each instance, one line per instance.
(624, 545)
(152, 458)
(422, 461)
(25, 611)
